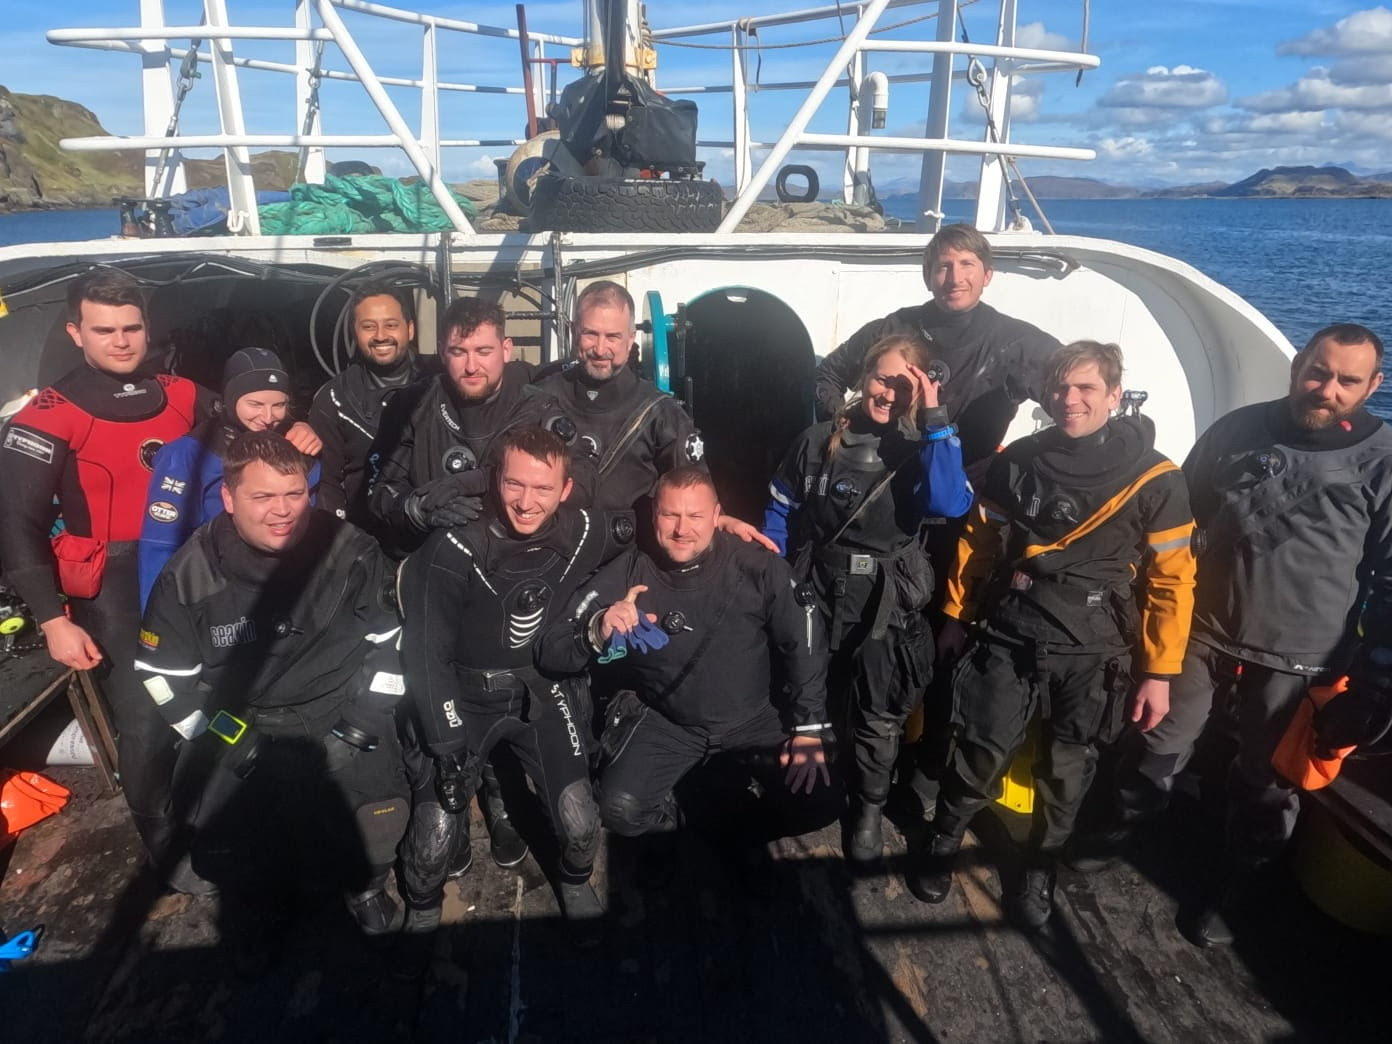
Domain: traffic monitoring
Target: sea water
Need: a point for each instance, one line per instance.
(1302, 262)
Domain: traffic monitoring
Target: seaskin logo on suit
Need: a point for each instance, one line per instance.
(240, 632)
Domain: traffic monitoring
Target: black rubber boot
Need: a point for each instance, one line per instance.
(1030, 903)
(583, 912)
(416, 946)
(376, 912)
(929, 876)
(865, 831)
(462, 858)
(1099, 849)
(505, 844)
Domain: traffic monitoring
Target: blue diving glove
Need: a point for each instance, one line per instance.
(647, 636)
(615, 649)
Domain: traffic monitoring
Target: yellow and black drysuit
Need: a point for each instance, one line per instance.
(1076, 565)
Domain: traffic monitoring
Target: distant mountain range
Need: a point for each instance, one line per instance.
(36, 174)
(1275, 183)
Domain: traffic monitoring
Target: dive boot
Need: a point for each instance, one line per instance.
(416, 943)
(583, 912)
(1030, 903)
(462, 858)
(1100, 849)
(929, 876)
(376, 912)
(505, 844)
(865, 832)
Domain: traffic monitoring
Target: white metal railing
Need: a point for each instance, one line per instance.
(317, 24)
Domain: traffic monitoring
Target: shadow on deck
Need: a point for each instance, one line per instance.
(812, 953)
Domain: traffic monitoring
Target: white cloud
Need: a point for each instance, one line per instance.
(1035, 35)
(1127, 148)
(1362, 32)
(1317, 91)
(1364, 68)
(1183, 87)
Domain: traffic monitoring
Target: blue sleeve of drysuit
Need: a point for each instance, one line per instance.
(943, 489)
(173, 506)
(780, 506)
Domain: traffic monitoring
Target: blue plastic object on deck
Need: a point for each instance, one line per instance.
(20, 947)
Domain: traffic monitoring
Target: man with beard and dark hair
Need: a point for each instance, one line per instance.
(186, 487)
(437, 439)
(474, 598)
(348, 408)
(1293, 500)
(82, 450)
(269, 644)
(1076, 574)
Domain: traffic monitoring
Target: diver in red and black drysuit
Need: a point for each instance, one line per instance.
(81, 450)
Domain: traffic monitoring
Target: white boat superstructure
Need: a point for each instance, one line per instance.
(1196, 347)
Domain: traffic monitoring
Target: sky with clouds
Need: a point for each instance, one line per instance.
(1188, 91)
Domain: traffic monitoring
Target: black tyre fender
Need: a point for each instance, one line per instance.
(561, 204)
(809, 195)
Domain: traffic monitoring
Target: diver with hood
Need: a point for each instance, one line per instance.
(1075, 574)
(186, 485)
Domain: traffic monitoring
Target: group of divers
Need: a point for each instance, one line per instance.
(321, 640)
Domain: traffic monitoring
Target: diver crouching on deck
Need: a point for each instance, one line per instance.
(1076, 570)
(269, 646)
(693, 631)
(855, 491)
(474, 598)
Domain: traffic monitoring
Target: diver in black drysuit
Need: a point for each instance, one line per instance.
(631, 432)
(301, 646)
(732, 613)
(474, 598)
(432, 464)
(346, 414)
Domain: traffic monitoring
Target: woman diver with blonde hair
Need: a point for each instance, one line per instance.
(846, 506)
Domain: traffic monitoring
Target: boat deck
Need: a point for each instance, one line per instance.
(816, 953)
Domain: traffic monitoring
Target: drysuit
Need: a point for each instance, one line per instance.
(301, 646)
(428, 433)
(854, 504)
(474, 600)
(738, 634)
(346, 413)
(185, 491)
(1076, 565)
(993, 363)
(1295, 535)
(83, 450)
(631, 431)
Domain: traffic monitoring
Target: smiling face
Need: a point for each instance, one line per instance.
(685, 520)
(475, 361)
(603, 339)
(112, 337)
(1330, 382)
(269, 509)
(957, 278)
(888, 389)
(1080, 403)
(531, 490)
(261, 410)
(382, 331)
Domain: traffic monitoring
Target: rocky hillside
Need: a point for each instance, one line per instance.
(1281, 182)
(36, 173)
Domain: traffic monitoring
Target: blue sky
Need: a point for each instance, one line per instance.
(1188, 91)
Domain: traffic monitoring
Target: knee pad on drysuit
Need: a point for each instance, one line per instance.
(578, 825)
(624, 814)
(432, 838)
